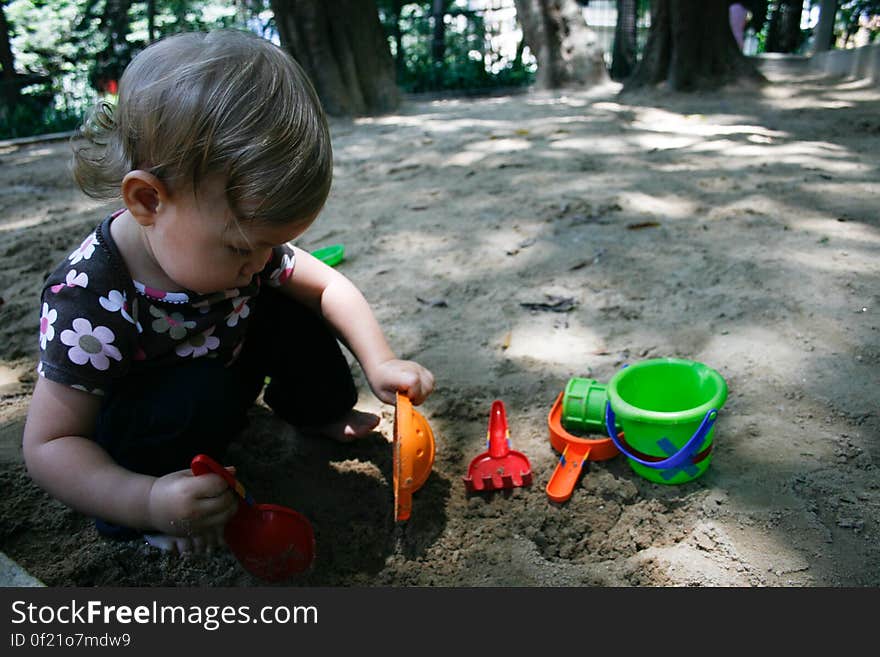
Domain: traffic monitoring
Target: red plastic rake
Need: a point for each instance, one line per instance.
(500, 467)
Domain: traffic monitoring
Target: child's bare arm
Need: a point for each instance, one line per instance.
(71, 467)
(345, 308)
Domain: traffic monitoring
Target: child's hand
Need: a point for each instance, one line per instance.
(403, 376)
(193, 508)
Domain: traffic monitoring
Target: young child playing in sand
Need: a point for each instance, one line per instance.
(158, 332)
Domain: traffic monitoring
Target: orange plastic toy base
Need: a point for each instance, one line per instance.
(575, 451)
(413, 455)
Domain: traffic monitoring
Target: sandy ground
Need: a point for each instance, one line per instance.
(757, 255)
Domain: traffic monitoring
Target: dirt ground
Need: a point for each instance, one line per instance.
(738, 229)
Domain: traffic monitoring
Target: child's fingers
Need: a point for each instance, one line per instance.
(218, 517)
(411, 380)
(408, 381)
(210, 518)
(208, 540)
(209, 485)
(427, 381)
(212, 524)
(182, 544)
(422, 387)
(226, 502)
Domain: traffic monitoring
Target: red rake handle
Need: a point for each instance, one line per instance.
(499, 434)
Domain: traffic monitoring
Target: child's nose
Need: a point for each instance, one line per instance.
(256, 262)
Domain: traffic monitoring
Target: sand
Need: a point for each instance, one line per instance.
(738, 229)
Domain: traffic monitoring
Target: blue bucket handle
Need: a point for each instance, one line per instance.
(677, 460)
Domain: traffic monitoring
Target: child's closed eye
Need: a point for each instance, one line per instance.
(244, 253)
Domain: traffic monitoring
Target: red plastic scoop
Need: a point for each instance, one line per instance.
(271, 542)
(500, 467)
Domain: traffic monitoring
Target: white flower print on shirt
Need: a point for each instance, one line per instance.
(198, 345)
(73, 279)
(47, 331)
(240, 310)
(85, 250)
(284, 271)
(88, 345)
(117, 301)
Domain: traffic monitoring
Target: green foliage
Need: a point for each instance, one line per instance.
(470, 61)
(770, 21)
(43, 48)
(80, 45)
(852, 14)
(34, 116)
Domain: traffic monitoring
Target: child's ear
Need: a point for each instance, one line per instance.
(143, 194)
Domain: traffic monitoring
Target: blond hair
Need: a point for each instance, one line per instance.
(226, 102)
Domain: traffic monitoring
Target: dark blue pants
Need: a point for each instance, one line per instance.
(154, 423)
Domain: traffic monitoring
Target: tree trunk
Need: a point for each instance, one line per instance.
(560, 40)
(690, 46)
(10, 88)
(518, 58)
(342, 48)
(623, 52)
(825, 29)
(111, 62)
(438, 42)
(784, 32)
(151, 20)
(758, 9)
(400, 56)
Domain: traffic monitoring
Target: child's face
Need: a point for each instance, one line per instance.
(198, 243)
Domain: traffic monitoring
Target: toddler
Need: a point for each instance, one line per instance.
(158, 331)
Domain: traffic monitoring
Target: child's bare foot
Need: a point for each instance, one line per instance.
(183, 544)
(174, 544)
(351, 426)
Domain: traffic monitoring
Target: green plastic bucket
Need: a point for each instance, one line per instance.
(583, 405)
(666, 408)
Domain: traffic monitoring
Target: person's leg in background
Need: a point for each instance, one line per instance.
(738, 17)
